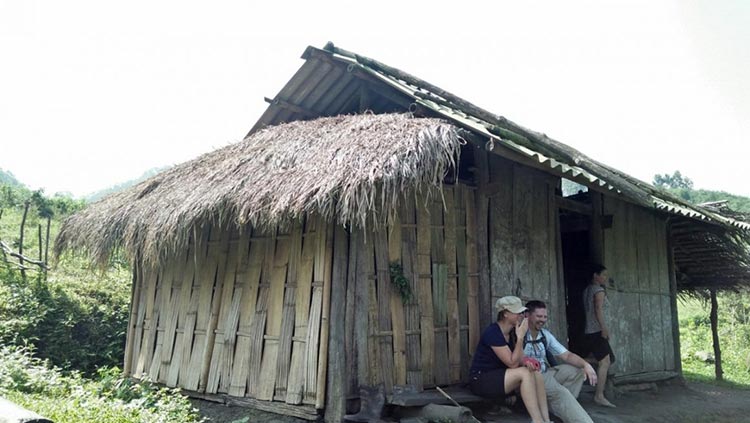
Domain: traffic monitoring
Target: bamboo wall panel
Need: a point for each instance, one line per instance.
(439, 291)
(398, 311)
(462, 270)
(226, 319)
(424, 292)
(295, 385)
(288, 315)
(384, 329)
(245, 312)
(451, 286)
(473, 274)
(248, 278)
(408, 221)
(639, 312)
(239, 312)
(185, 282)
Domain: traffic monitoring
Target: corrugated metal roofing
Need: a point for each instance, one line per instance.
(330, 83)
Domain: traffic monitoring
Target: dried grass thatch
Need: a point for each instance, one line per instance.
(351, 169)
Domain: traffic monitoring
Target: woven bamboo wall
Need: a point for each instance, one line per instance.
(426, 340)
(245, 313)
(241, 313)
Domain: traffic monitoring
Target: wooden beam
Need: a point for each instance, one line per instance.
(574, 206)
(337, 372)
(307, 113)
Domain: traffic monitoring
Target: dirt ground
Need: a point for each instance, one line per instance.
(665, 403)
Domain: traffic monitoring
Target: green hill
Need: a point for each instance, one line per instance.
(7, 178)
(119, 187)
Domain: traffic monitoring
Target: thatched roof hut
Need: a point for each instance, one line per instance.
(372, 212)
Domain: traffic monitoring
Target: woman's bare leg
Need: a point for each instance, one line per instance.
(523, 377)
(541, 395)
(601, 375)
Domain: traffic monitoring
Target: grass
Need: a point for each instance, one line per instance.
(734, 339)
(68, 397)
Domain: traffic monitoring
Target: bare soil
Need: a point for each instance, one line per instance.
(664, 403)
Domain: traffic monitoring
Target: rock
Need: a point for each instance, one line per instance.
(704, 356)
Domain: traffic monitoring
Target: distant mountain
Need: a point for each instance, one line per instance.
(7, 178)
(121, 186)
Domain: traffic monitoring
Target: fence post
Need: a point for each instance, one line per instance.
(20, 242)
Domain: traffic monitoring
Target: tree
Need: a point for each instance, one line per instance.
(674, 181)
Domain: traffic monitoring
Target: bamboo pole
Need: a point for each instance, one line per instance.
(20, 242)
(46, 244)
(39, 232)
(324, 320)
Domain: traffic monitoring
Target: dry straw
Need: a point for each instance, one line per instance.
(351, 169)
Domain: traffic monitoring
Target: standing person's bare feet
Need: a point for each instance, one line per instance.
(603, 402)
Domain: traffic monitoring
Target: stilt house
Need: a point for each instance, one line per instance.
(360, 233)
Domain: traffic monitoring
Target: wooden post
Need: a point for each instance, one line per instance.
(715, 334)
(135, 293)
(46, 245)
(673, 300)
(39, 232)
(320, 397)
(335, 405)
(482, 236)
(20, 242)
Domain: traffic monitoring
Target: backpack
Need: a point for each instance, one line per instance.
(543, 339)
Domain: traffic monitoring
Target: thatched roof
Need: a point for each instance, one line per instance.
(351, 169)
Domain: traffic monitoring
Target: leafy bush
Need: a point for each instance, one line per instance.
(77, 319)
(111, 398)
(20, 310)
(734, 338)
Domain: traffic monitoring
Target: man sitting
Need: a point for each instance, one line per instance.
(563, 382)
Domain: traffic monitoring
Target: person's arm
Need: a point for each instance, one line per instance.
(512, 359)
(599, 308)
(576, 360)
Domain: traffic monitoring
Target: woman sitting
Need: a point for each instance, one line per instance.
(499, 365)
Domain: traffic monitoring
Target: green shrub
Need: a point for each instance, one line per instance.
(110, 398)
(77, 318)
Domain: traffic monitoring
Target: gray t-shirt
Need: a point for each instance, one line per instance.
(592, 324)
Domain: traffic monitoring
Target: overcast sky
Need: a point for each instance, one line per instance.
(93, 93)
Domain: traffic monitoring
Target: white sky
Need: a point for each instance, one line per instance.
(93, 93)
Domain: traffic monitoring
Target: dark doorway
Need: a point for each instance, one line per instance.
(575, 242)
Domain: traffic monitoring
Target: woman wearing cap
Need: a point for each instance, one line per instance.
(596, 339)
(499, 365)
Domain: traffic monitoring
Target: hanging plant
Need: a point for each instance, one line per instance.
(400, 282)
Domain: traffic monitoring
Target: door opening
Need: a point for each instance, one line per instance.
(576, 249)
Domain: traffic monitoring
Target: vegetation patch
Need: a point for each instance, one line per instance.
(109, 398)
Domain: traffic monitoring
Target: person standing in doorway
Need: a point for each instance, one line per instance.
(596, 338)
